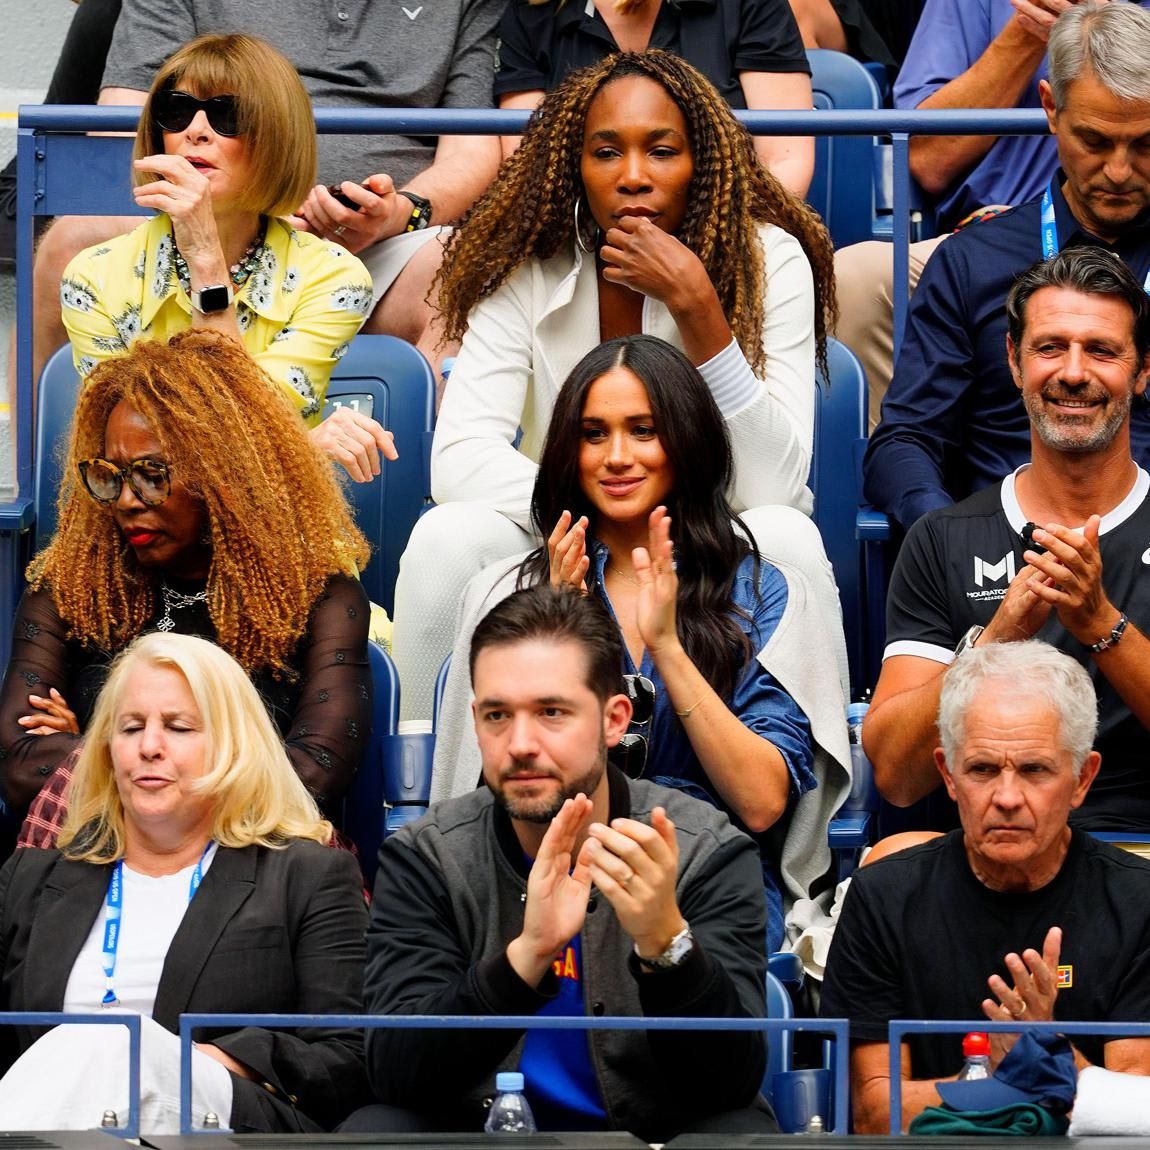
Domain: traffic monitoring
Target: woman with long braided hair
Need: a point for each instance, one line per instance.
(192, 501)
(634, 204)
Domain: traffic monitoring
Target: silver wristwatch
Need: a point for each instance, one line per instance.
(675, 955)
(968, 640)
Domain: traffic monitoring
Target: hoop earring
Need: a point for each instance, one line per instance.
(583, 246)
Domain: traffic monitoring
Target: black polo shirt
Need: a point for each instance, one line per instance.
(952, 573)
(952, 421)
(540, 44)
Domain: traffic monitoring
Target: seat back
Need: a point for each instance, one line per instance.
(56, 404)
(842, 190)
(835, 481)
(388, 379)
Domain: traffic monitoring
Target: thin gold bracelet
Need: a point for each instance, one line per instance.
(687, 713)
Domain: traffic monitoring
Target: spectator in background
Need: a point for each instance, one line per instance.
(634, 204)
(965, 54)
(872, 31)
(1057, 550)
(749, 49)
(365, 56)
(731, 705)
(219, 167)
(1047, 918)
(191, 501)
(953, 422)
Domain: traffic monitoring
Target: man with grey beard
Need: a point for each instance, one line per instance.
(1060, 550)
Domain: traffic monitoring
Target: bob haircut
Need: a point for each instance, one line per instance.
(259, 799)
(272, 106)
(691, 430)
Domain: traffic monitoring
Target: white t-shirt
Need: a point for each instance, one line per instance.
(151, 913)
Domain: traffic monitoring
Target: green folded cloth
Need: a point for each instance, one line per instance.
(1024, 1119)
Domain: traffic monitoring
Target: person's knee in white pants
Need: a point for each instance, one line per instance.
(450, 544)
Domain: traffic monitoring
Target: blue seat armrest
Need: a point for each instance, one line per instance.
(396, 817)
(871, 525)
(787, 967)
(850, 830)
(407, 761)
(18, 515)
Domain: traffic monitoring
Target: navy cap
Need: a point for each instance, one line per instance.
(1039, 1069)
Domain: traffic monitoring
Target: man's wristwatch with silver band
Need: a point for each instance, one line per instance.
(968, 640)
(675, 955)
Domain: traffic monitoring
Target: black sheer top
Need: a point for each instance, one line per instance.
(324, 715)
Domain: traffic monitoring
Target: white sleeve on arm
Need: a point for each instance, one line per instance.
(771, 421)
(472, 457)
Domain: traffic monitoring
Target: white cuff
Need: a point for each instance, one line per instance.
(731, 380)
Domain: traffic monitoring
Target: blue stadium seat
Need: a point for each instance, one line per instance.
(388, 379)
(795, 1095)
(835, 481)
(842, 190)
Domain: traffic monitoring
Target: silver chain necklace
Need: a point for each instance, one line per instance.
(177, 600)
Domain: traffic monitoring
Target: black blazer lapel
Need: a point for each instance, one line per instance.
(226, 887)
(72, 899)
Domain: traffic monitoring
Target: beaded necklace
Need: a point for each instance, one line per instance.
(240, 271)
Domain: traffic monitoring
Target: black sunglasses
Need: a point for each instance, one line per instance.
(629, 754)
(150, 479)
(174, 111)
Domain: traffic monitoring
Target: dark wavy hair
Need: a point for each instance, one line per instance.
(708, 549)
(529, 209)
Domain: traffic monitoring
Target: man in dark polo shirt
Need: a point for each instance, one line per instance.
(1016, 915)
(982, 571)
(952, 422)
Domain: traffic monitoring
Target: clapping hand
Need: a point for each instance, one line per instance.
(1032, 996)
(658, 585)
(567, 553)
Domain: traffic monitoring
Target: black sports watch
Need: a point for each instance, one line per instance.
(212, 299)
(420, 212)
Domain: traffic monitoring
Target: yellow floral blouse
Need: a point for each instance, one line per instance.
(297, 311)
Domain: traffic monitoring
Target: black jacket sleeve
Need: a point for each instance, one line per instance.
(417, 965)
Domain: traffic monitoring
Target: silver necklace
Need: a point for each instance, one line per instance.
(177, 600)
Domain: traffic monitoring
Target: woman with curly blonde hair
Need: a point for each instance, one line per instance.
(634, 204)
(193, 502)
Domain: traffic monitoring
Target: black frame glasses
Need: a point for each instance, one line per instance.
(149, 479)
(174, 110)
(629, 754)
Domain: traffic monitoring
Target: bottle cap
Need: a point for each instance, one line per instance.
(856, 712)
(509, 1081)
(975, 1044)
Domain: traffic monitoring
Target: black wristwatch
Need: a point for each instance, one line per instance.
(212, 299)
(420, 212)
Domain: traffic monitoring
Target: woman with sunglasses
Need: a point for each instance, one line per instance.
(225, 146)
(630, 496)
(181, 475)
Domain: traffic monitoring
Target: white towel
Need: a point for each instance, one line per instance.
(1111, 1103)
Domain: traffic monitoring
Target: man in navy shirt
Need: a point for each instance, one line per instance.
(952, 421)
(1059, 550)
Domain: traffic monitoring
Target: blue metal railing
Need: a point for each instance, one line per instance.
(836, 1028)
(131, 1021)
(900, 1028)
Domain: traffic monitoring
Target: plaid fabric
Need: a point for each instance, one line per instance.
(46, 814)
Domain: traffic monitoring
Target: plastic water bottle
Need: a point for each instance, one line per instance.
(857, 800)
(509, 1113)
(976, 1055)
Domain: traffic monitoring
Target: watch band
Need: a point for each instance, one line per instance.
(968, 640)
(420, 212)
(676, 953)
(213, 298)
(1114, 638)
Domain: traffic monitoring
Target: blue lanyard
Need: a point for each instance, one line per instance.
(113, 906)
(1050, 232)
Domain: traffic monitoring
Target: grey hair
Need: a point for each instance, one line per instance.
(1112, 41)
(1030, 668)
